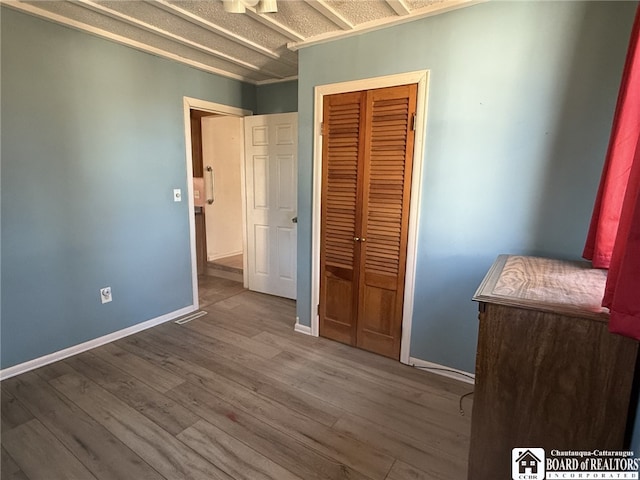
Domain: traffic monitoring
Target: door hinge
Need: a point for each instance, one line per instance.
(318, 309)
(413, 122)
(321, 128)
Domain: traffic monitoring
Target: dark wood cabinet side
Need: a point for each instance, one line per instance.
(554, 380)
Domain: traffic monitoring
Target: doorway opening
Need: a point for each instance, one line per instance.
(214, 136)
(217, 162)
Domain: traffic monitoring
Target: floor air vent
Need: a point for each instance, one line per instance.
(192, 316)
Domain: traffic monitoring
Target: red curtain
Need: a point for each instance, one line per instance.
(614, 236)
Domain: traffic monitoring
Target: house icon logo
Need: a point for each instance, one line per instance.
(527, 464)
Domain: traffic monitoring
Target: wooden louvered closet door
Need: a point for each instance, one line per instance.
(366, 186)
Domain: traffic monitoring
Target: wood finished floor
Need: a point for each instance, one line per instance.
(229, 268)
(233, 262)
(235, 394)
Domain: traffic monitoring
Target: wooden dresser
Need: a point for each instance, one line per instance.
(548, 372)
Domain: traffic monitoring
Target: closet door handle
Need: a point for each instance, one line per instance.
(212, 184)
(363, 239)
(355, 239)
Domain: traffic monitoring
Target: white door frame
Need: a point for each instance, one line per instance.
(420, 77)
(196, 104)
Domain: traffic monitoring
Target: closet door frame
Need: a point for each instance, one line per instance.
(421, 78)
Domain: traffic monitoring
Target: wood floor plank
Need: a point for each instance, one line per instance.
(212, 289)
(402, 471)
(265, 439)
(12, 412)
(279, 312)
(31, 441)
(249, 371)
(385, 366)
(413, 397)
(232, 456)
(54, 370)
(440, 420)
(204, 327)
(298, 343)
(359, 404)
(315, 435)
(226, 319)
(435, 411)
(409, 379)
(259, 318)
(236, 394)
(166, 413)
(251, 320)
(186, 338)
(9, 469)
(151, 374)
(354, 394)
(422, 401)
(100, 451)
(439, 463)
(155, 445)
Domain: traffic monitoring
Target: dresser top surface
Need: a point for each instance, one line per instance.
(558, 286)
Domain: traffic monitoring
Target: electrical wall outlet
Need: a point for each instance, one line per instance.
(105, 294)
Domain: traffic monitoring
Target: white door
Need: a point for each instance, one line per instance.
(271, 159)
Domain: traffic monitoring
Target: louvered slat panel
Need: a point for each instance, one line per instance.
(388, 142)
(387, 188)
(343, 130)
(341, 152)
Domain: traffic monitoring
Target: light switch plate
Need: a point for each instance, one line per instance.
(177, 195)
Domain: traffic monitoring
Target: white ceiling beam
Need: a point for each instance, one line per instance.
(274, 25)
(98, 32)
(433, 9)
(171, 36)
(330, 13)
(213, 28)
(399, 7)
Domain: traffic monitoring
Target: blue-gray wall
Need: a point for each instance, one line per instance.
(520, 105)
(521, 99)
(281, 97)
(92, 148)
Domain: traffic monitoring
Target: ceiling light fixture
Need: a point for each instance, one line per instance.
(240, 6)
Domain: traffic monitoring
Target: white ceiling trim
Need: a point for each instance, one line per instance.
(435, 9)
(171, 36)
(330, 13)
(54, 17)
(399, 7)
(201, 22)
(276, 80)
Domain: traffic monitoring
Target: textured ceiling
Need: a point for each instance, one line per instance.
(254, 47)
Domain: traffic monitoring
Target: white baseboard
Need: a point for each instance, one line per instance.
(301, 328)
(96, 342)
(443, 370)
(212, 258)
